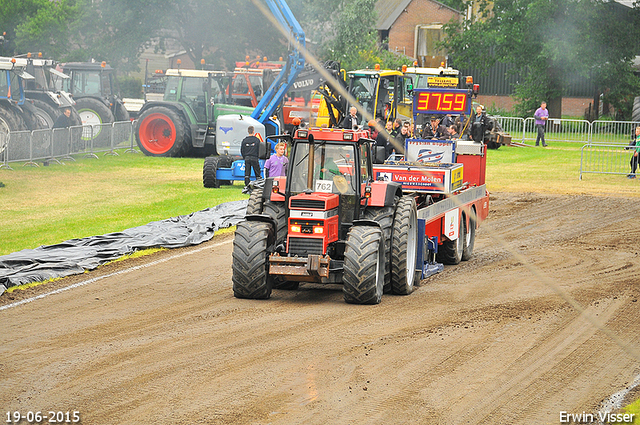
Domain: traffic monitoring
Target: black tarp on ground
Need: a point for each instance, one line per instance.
(77, 255)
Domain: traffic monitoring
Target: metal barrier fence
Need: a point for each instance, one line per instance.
(46, 145)
(558, 130)
(565, 130)
(612, 132)
(605, 159)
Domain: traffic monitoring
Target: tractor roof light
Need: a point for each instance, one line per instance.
(103, 64)
(303, 134)
(404, 68)
(347, 136)
(469, 80)
(377, 67)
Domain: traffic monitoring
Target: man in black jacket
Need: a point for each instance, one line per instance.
(350, 121)
(63, 120)
(250, 151)
(480, 123)
(434, 130)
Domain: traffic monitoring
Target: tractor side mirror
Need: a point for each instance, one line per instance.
(379, 155)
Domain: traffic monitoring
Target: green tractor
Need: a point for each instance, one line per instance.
(184, 122)
(94, 89)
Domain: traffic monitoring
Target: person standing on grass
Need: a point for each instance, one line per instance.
(636, 154)
(250, 151)
(541, 115)
(277, 164)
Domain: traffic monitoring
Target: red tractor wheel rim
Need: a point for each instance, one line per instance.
(157, 133)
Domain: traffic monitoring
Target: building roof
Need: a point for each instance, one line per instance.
(389, 10)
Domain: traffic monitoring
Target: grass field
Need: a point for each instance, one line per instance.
(47, 205)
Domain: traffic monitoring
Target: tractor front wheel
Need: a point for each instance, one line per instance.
(161, 131)
(363, 277)
(250, 260)
(254, 205)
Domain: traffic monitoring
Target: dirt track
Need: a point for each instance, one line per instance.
(485, 342)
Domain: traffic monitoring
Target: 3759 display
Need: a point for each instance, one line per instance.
(441, 101)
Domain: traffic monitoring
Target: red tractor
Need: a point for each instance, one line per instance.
(337, 218)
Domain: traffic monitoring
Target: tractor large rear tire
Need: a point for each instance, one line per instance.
(384, 217)
(46, 113)
(30, 116)
(93, 111)
(162, 131)
(251, 248)
(363, 277)
(404, 247)
(278, 212)
(254, 206)
(635, 114)
(11, 120)
(450, 252)
(469, 240)
(121, 112)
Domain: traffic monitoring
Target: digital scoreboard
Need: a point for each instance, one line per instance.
(441, 101)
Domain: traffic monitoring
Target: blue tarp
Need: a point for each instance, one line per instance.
(77, 255)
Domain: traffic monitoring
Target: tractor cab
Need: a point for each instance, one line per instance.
(198, 90)
(382, 93)
(327, 162)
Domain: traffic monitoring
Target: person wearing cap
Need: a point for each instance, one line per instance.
(434, 130)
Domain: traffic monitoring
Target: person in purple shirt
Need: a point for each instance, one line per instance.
(541, 115)
(276, 165)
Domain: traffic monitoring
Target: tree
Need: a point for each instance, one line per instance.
(353, 40)
(116, 31)
(38, 16)
(548, 42)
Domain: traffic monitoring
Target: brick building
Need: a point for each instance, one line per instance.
(413, 27)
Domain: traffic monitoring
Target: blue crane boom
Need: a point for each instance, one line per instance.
(295, 63)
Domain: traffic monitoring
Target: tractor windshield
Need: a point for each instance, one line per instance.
(91, 83)
(334, 169)
(363, 89)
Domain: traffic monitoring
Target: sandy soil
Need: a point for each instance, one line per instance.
(162, 340)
